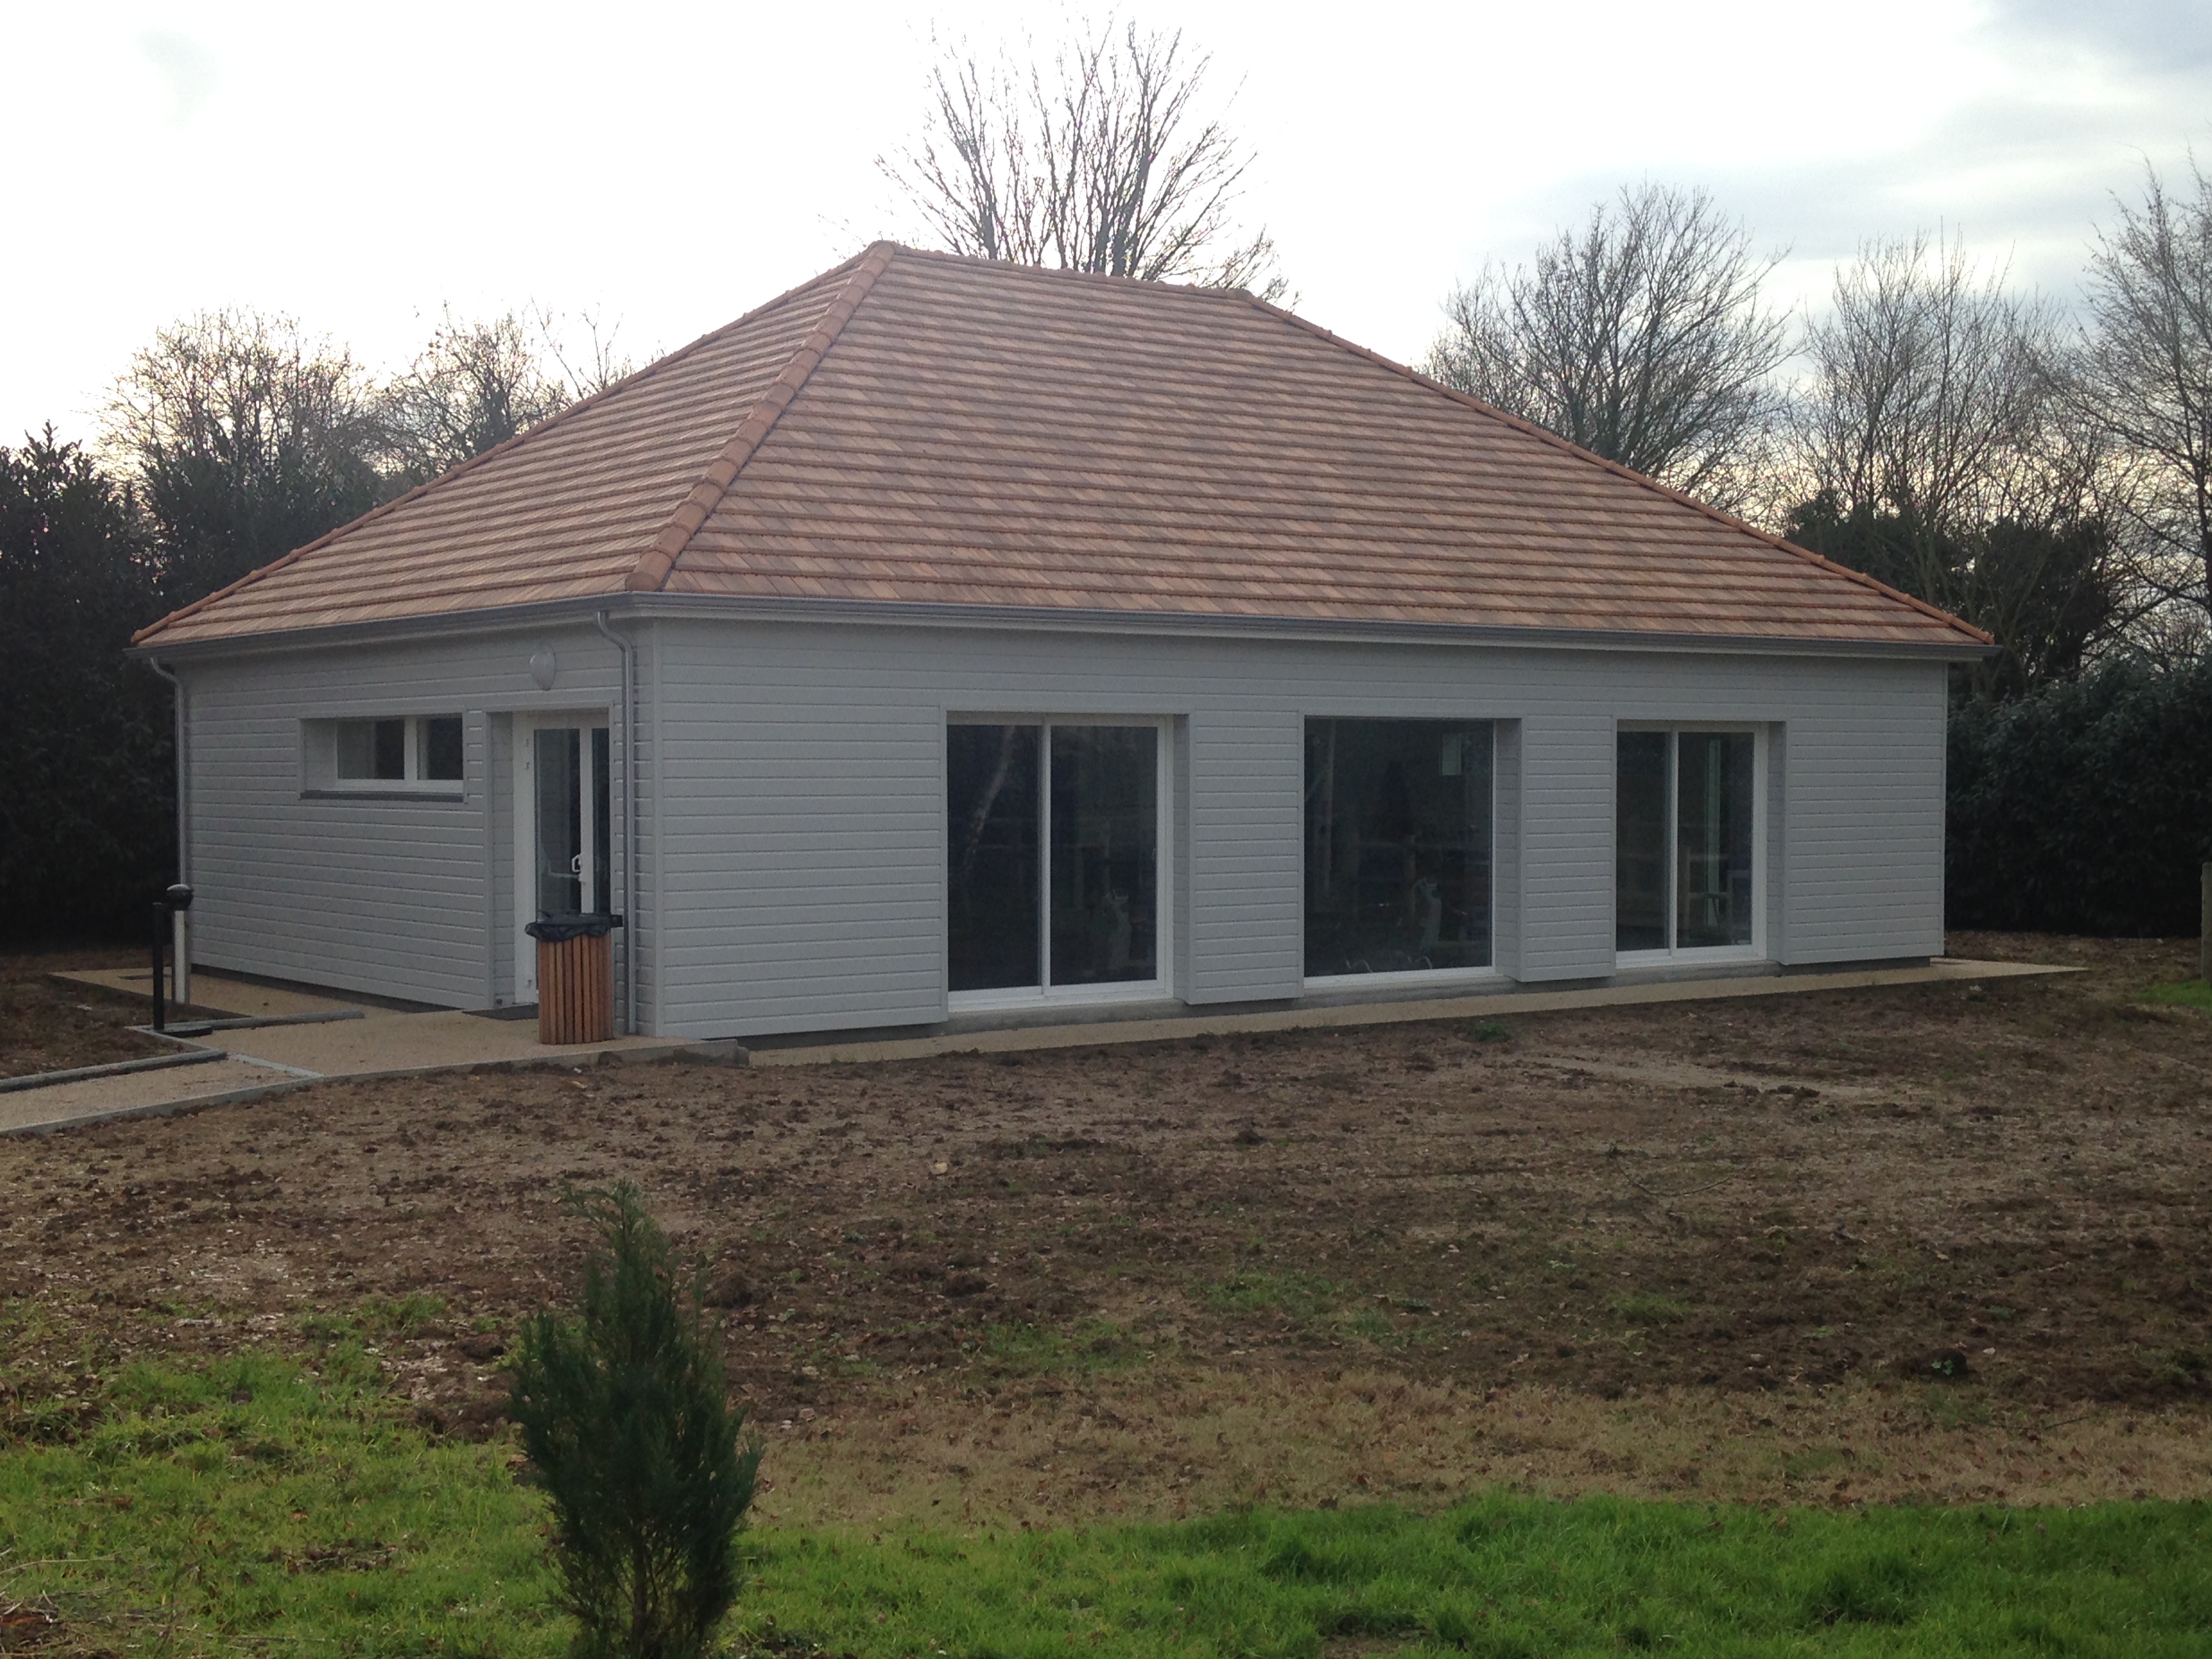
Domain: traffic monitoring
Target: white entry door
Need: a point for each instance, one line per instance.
(561, 828)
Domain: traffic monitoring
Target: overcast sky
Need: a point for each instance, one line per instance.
(671, 166)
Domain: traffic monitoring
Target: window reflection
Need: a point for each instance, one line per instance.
(1712, 840)
(1105, 833)
(991, 809)
(1683, 853)
(1398, 846)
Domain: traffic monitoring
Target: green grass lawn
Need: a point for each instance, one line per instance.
(2189, 994)
(256, 1505)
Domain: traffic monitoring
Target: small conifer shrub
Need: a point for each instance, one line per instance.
(621, 1409)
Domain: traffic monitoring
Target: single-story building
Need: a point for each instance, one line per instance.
(953, 638)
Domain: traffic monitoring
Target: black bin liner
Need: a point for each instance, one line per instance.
(558, 928)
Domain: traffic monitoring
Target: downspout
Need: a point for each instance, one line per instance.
(628, 822)
(179, 919)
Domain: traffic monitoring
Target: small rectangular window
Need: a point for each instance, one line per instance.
(396, 752)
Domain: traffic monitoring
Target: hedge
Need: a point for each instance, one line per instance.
(2084, 807)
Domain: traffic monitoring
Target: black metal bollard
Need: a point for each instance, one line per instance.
(178, 899)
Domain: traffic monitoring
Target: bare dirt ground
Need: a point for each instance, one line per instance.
(1946, 1241)
(45, 1026)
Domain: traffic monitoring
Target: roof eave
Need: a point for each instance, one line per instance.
(897, 613)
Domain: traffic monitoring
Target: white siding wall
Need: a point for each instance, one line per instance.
(804, 885)
(1505, 866)
(1864, 780)
(393, 897)
(792, 861)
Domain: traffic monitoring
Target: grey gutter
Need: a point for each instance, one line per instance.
(901, 613)
(184, 772)
(630, 911)
(181, 921)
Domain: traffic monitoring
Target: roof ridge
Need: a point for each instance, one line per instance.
(657, 366)
(1547, 435)
(1068, 273)
(655, 564)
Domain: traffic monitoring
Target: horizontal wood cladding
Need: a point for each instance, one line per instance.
(791, 808)
(804, 810)
(387, 896)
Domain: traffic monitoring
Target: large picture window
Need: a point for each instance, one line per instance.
(1685, 842)
(1052, 853)
(1398, 846)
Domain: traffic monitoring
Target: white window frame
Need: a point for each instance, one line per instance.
(1046, 994)
(319, 751)
(1325, 984)
(1754, 951)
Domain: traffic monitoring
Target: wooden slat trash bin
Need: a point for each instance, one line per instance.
(575, 977)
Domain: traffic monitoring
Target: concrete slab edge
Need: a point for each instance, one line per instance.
(1488, 1004)
(200, 1027)
(573, 1060)
(113, 1068)
(160, 1108)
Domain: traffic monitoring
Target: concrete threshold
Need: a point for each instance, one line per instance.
(1399, 1011)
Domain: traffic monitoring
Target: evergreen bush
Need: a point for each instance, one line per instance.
(87, 768)
(622, 1411)
(2084, 807)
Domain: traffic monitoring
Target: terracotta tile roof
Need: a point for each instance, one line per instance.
(917, 429)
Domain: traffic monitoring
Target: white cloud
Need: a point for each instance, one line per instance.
(188, 69)
(671, 166)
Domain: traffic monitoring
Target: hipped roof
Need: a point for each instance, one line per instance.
(917, 429)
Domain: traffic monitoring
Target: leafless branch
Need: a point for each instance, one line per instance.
(1099, 162)
(2147, 372)
(474, 386)
(1642, 338)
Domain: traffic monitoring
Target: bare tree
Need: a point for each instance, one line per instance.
(1937, 446)
(244, 438)
(1641, 338)
(2146, 373)
(477, 384)
(1930, 390)
(474, 386)
(1103, 164)
(583, 349)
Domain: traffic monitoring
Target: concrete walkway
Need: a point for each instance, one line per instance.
(369, 1041)
(382, 1042)
(217, 994)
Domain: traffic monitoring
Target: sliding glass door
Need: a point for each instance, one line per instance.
(1686, 842)
(1053, 853)
(1399, 828)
